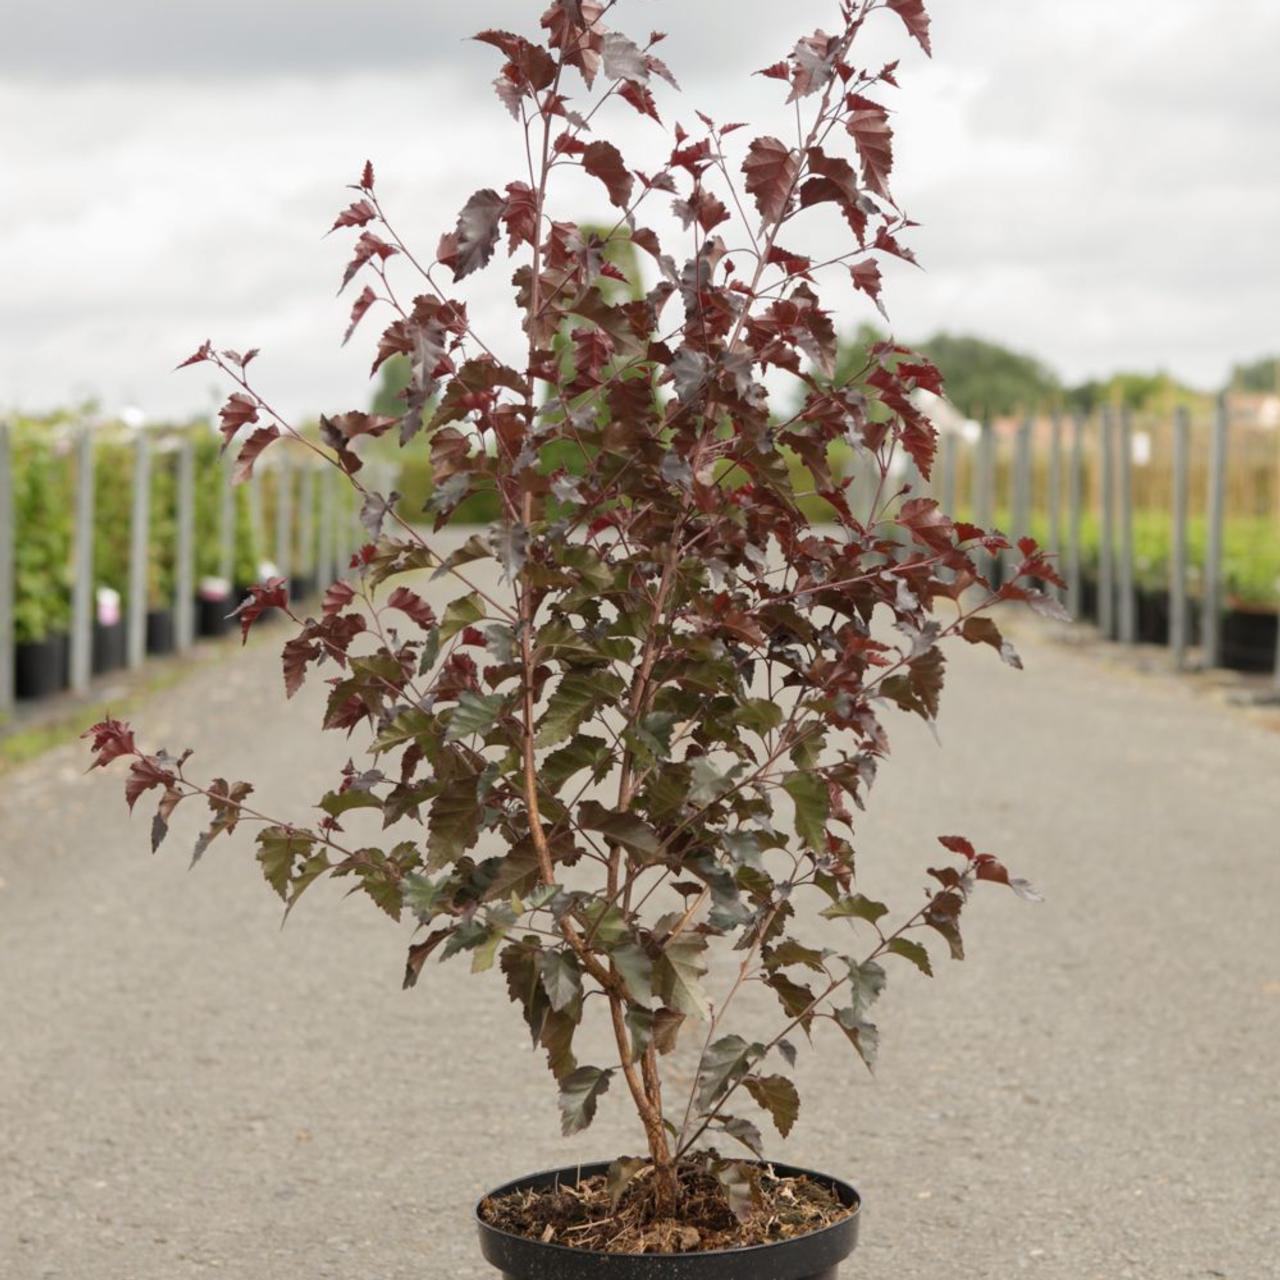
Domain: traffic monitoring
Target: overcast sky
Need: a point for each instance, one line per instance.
(1098, 182)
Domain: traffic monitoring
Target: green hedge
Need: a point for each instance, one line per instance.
(43, 522)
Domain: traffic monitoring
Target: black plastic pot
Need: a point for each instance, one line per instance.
(816, 1256)
(1249, 639)
(1153, 616)
(108, 647)
(161, 633)
(302, 586)
(41, 667)
(212, 616)
(1088, 599)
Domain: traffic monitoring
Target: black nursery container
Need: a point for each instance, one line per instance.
(41, 667)
(302, 586)
(212, 616)
(109, 650)
(161, 633)
(1249, 638)
(816, 1256)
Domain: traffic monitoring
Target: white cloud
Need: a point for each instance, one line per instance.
(1097, 182)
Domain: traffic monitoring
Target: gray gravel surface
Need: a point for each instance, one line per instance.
(188, 1090)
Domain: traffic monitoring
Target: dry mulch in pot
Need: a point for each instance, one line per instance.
(584, 1216)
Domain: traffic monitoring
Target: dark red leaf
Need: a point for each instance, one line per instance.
(604, 161)
(868, 125)
(640, 96)
(239, 410)
(958, 844)
(362, 304)
(111, 739)
(337, 597)
(251, 450)
(272, 594)
(866, 276)
(146, 772)
(368, 247)
(355, 215)
(412, 604)
(520, 215)
(477, 232)
(771, 168)
(204, 353)
(913, 13)
(366, 178)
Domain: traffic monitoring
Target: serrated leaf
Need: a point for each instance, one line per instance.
(863, 1035)
(808, 791)
(577, 697)
(464, 612)
(621, 828)
(561, 979)
(678, 974)
(912, 951)
(278, 849)
(583, 752)
(743, 1131)
(724, 1063)
(778, 1096)
(479, 225)
(475, 713)
(866, 982)
(579, 1093)
(771, 168)
(636, 970)
(604, 161)
(454, 822)
(855, 907)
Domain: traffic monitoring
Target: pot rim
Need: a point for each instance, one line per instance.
(590, 1168)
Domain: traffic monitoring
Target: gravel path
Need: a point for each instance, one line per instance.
(188, 1090)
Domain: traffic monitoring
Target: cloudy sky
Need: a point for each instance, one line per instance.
(1098, 182)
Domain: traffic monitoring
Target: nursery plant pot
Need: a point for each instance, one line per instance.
(212, 615)
(1249, 639)
(161, 636)
(108, 647)
(1153, 616)
(302, 586)
(40, 667)
(816, 1256)
(1088, 599)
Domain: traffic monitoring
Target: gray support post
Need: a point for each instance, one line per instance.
(1211, 622)
(284, 514)
(1127, 608)
(1178, 613)
(6, 571)
(139, 539)
(256, 522)
(327, 550)
(1107, 531)
(1075, 519)
(948, 488)
(184, 620)
(1055, 493)
(82, 602)
(307, 522)
(226, 521)
(984, 488)
(1022, 481)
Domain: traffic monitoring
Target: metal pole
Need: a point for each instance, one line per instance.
(1022, 482)
(307, 522)
(226, 521)
(984, 488)
(6, 570)
(284, 515)
(256, 523)
(139, 538)
(1211, 624)
(949, 473)
(185, 575)
(1128, 605)
(1055, 491)
(1178, 617)
(1075, 518)
(82, 610)
(1106, 548)
(327, 550)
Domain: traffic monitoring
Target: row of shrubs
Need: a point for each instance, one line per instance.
(44, 488)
